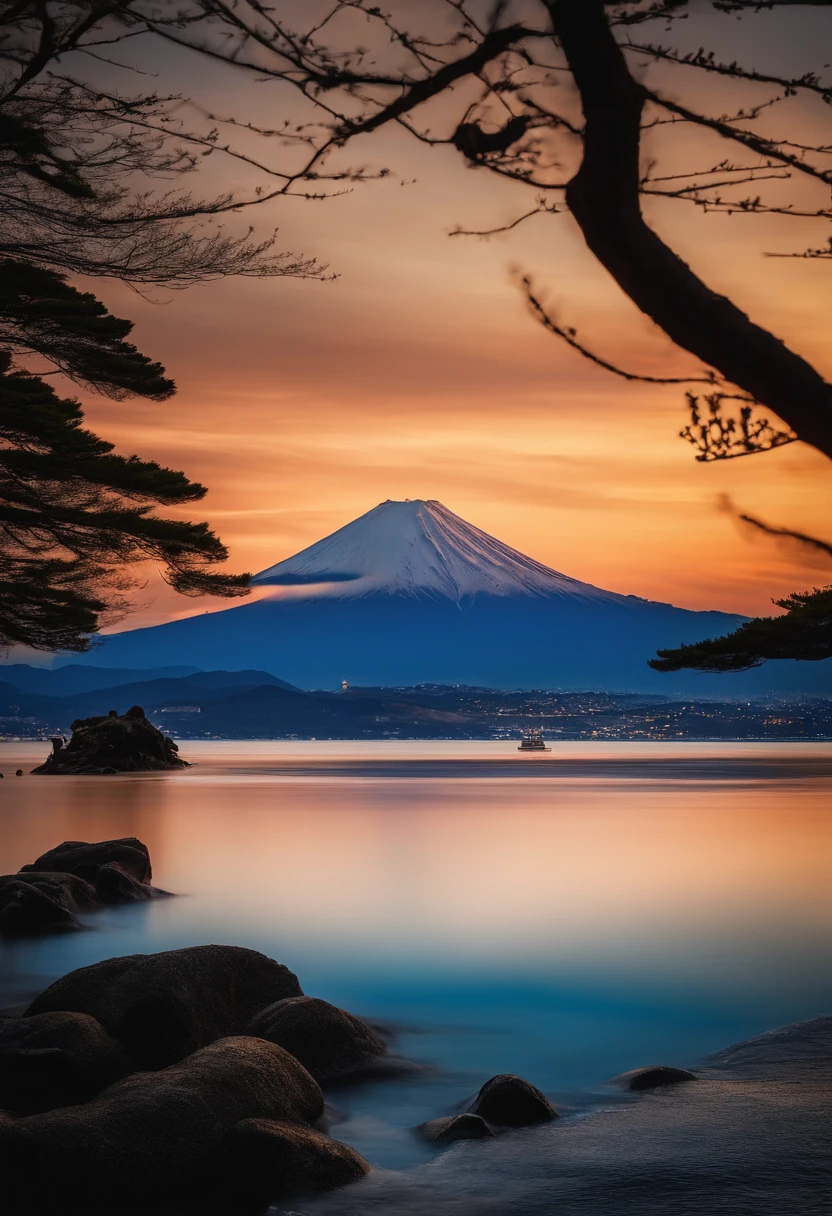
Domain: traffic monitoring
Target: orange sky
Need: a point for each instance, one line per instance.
(418, 373)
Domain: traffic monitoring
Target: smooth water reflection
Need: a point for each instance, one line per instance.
(565, 918)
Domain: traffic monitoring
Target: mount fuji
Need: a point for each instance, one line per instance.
(409, 593)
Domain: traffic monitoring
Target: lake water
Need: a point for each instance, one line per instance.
(564, 917)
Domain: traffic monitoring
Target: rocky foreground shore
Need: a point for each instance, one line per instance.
(751, 1137)
(191, 1081)
(184, 1074)
(197, 1073)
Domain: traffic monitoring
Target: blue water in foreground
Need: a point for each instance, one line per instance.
(565, 917)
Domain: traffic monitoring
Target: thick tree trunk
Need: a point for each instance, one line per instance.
(604, 198)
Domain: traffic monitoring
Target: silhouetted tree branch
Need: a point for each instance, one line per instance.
(74, 516)
(604, 197)
(804, 631)
(802, 538)
(570, 337)
(720, 436)
(542, 208)
(78, 173)
(78, 164)
(72, 332)
(488, 80)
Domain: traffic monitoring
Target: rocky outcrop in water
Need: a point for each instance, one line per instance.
(76, 876)
(162, 1007)
(509, 1101)
(503, 1102)
(456, 1127)
(56, 1059)
(159, 1136)
(274, 1159)
(85, 859)
(331, 1043)
(654, 1076)
(126, 743)
(115, 886)
(32, 903)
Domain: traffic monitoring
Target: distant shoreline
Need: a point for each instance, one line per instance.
(181, 738)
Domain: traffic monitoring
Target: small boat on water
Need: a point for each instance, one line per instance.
(533, 741)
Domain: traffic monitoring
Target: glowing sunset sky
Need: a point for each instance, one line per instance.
(418, 372)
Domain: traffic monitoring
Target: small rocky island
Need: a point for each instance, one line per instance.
(113, 743)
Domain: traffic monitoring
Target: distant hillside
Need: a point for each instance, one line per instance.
(200, 688)
(269, 712)
(272, 712)
(77, 677)
(213, 705)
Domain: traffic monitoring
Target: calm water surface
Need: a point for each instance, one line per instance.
(563, 917)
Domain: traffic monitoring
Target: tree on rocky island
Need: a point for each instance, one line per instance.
(113, 743)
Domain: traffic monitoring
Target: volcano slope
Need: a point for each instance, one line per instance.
(410, 593)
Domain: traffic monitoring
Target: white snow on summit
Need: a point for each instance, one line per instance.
(419, 547)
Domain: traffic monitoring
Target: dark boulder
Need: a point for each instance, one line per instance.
(115, 886)
(162, 1007)
(114, 743)
(71, 888)
(26, 908)
(154, 1136)
(43, 903)
(456, 1127)
(331, 1043)
(68, 890)
(56, 1059)
(78, 875)
(509, 1101)
(652, 1077)
(85, 859)
(266, 1160)
(503, 1102)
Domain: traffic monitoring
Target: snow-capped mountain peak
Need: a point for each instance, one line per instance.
(412, 594)
(419, 547)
